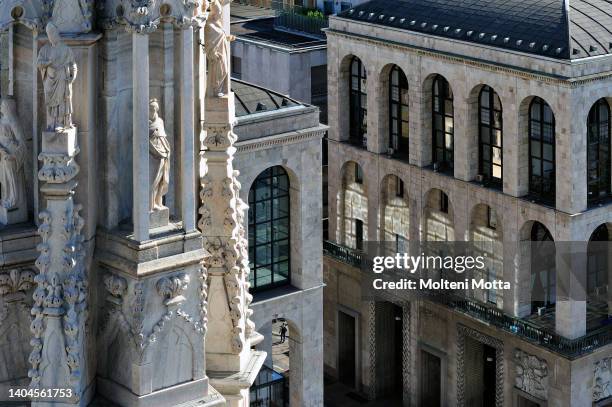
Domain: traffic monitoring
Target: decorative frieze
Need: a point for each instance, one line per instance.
(531, 374)
(602, 379)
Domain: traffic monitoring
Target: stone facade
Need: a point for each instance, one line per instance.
(571, 89)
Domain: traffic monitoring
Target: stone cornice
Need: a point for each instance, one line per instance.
(473, 62)
(294, 137)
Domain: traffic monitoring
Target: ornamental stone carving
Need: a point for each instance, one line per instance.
(58, 70)
(159, 158)
(144, 16)
(12, 159)
(72, 16)
(217, 50)
(115, 285)
(602, 379)
(531, 374)
(14, 283)
(171, 288)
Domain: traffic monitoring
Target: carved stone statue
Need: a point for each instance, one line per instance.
(159, 157)
(72, 16)
(12, 157)
(58, 69)
(217, 50)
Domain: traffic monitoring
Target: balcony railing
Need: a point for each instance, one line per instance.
(568, 348)
(342, 253)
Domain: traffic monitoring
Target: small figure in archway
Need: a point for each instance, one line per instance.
(283, 332)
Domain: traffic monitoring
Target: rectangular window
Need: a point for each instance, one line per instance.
(399, 188)
(401, 244)
(318, 90)
(236, 67)
(359, 234)
(491, 218)
(358, 174)
(443, 202)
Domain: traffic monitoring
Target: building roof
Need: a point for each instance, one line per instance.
(251, 99)
(241, 12)
(561, 29)
(263, 30)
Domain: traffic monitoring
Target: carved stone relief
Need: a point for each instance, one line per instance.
(13, 205)
(531, 374)
(159, 159)
(602, 379)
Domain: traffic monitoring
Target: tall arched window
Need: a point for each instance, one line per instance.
(598, 152)
(398, 112)
(597, 260)
(541, 151)
(358, 103)
(543, 275)
(443, 124)
(491, 134)
(269, 247)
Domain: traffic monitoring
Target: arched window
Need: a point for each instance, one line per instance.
(443, 124)
(543, 276)
(491, 134)
(269, 247)
(398, 112)
(598, 151)
(597, 261)
(541, 151)
(358, 104)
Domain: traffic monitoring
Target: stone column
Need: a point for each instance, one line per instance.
(140, 135)
(187, 131)
(232, 365)
(59, 356)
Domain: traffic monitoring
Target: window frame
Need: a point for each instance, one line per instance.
(442, 94)
(602, 182)
(540, 194)
(397, 141)
(274, 193)
(358, 129)
(486, 166)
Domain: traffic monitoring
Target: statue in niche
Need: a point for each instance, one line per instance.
(58, 69)
(217, 45)
(159, 157)
(72, 16)
(12, 157)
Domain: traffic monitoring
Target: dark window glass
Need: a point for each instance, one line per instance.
(358, 174)
(541, 151)
(443, 125)
(359, 234)
(269, 230)
(358, 104)
(543, 275)
(597, 264)
(236, 67)
(443, 202)
(598, 152)
(490, 137)
(398, 112)
(399, 187)
(318, 90)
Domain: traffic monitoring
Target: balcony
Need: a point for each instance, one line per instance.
(529, 330)
(300, 19)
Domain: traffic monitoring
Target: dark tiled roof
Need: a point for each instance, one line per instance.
(533, 26)
(251, 99)
(263, 30)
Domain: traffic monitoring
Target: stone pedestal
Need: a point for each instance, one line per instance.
(159, 218)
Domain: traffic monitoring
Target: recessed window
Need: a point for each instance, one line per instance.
(269, 230)
(443, 202)
(399, 128)
(543, 271)
(598, 152)
(358, 104)
(490, 136)
(541, 151)
(443, 124)
(358, 234)
(491, 218)
(236, 67)
(399, 187)
(358, 174)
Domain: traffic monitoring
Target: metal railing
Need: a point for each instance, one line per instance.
(568, 348)
(342, 253)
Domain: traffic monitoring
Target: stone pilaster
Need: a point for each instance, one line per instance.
(232, 365)
(59, 328)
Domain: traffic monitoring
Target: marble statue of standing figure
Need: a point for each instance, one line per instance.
(58, 69)
(217, 45)
(12, 156)
(159, 153)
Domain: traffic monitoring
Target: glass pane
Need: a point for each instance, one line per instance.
(281, 207)
(497, 155)
(536, 168)
(263, 233)
(450, 123)
(405, 114)
(535, 149)
(548, 152)
(449, 142)
(497, 138)
(263, 255)
(497, 172)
